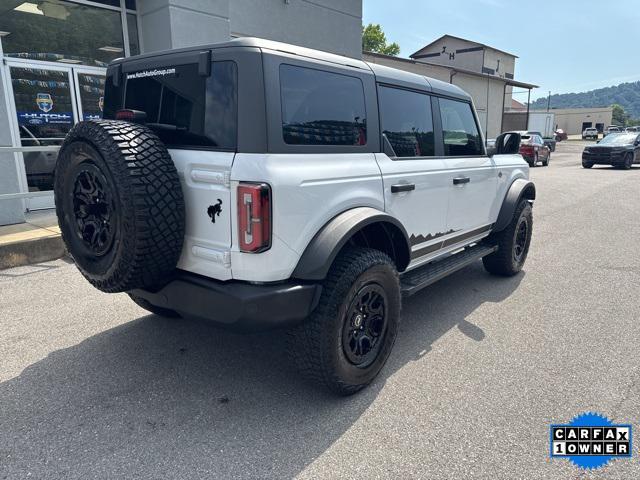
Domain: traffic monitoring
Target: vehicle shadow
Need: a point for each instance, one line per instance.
(160, 398)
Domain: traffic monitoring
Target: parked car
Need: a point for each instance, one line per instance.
(548, 141)
(590, 133)
(560, 135)
(632, 129)
(621, 150)
(261, 185)
(534, 150)
(611, 129)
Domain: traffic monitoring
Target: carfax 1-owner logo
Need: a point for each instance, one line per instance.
(590, 440)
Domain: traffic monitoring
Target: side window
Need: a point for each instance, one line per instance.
(186, 109)
(321, 108)
(459, 129)
(407, 121)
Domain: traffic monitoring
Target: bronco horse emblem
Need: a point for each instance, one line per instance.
(214, 211)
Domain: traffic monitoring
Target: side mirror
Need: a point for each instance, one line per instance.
(507, 144)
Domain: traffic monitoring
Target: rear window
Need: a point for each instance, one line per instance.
(321, 108)
(186, 109)
(459, 129)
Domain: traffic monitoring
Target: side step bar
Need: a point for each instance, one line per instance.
(415, 280)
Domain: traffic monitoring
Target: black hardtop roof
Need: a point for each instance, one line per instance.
(383, 73)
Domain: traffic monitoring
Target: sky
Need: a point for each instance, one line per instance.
(563, 46)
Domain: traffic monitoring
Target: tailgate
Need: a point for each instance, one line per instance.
(204, 176)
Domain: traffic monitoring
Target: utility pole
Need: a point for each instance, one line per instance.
(549, 101)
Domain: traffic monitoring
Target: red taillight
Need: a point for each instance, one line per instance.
(254, 217)
(129, 115)
(526, 150)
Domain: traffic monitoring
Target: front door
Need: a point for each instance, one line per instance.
(48, 101)
(472, 174)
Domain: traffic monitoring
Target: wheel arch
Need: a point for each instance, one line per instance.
(362, 226)
(519, 189)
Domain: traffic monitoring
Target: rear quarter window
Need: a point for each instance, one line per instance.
(321, 108)
(186, 109)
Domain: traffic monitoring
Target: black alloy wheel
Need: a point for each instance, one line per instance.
(365, 325)
(93, 209)
(521, 239)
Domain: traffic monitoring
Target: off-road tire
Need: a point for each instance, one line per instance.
(162, 312)
(316, 346)
(504, 261)
(127, 166)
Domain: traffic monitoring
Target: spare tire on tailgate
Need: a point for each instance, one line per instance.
(119, 205)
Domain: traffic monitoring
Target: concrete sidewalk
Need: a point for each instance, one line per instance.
(37, 240)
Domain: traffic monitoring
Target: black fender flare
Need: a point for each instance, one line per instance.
(317, 258)
(519, 189)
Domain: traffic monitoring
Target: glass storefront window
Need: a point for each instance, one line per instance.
(91, 95)
(44, 108)
(132, 27)
(63, 31)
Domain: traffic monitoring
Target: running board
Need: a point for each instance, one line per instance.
(415, 280)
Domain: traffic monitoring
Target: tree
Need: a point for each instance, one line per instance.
(619, 116)
(374, 40)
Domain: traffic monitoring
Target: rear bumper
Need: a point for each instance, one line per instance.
(237, 305)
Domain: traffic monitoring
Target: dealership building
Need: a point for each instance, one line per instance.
(55, 52)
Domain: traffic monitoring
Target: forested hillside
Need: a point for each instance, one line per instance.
(625, 94)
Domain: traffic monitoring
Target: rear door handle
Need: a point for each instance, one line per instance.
(461, 180)
(403, 187)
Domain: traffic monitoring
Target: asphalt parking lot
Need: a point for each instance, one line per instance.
(91, 386)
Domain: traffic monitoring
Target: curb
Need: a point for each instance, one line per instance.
(31, 251)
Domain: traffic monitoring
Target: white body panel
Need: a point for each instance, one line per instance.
(205, 180)
(307, 191)
(510, 168)
(470, 203)
(423, 211)
(506, 169)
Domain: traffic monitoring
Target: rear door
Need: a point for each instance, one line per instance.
(415, 179)
(194, 112)
(472, 176)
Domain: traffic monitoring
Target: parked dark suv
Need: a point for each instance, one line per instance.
(620, 150)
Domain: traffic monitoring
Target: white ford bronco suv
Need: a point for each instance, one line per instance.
(262, 185)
